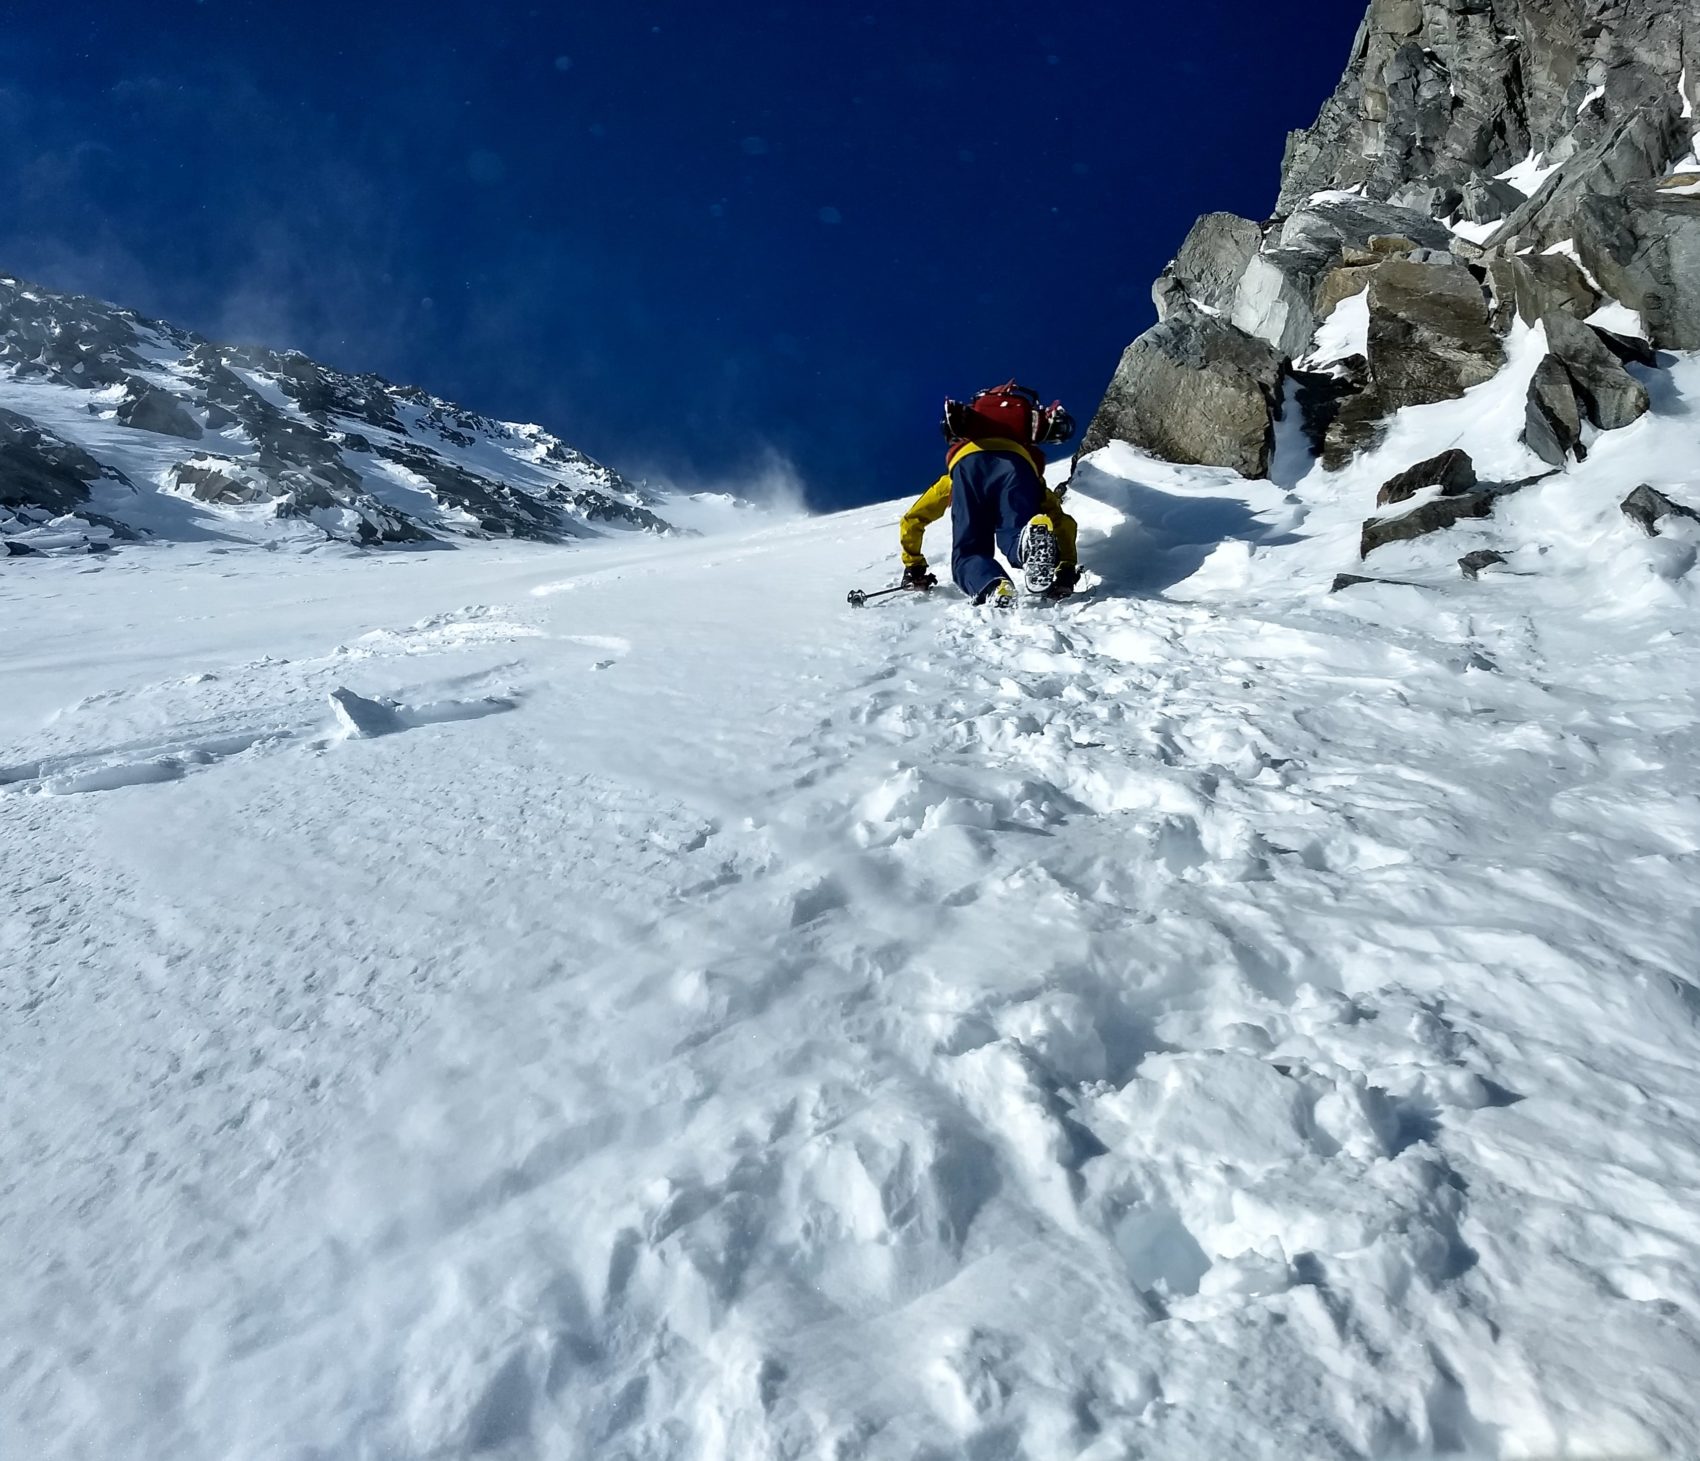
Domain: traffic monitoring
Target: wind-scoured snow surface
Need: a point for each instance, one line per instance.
(630, 1005)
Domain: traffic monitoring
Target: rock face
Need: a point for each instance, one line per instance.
(1643, 245)
(1194, 389)
(1482, 163)
(277, 435)
(1441, 95)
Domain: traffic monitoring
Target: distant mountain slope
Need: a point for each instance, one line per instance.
(117, 427)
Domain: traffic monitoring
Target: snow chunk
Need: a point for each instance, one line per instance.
(1476, 233)
(1530, 174)
(1343, 334)
(363, 719)
(1619, 318)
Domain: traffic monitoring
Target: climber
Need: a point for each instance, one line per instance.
(994, 487)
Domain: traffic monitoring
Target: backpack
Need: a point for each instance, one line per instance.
(1009, 412)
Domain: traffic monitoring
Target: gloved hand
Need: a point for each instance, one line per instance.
(917, 576)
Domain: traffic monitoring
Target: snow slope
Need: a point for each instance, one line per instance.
(661, 1012)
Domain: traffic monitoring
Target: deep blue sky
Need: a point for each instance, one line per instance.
(679, 234)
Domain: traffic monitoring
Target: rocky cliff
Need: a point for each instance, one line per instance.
(1484, 166)
(117, 427)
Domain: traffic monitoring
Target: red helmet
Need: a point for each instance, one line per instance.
(1009, 412)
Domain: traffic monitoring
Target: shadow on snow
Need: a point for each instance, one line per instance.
(1165, 537)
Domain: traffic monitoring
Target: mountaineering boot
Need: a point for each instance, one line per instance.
(1065, 583)
(1039, 554)
(998, 595)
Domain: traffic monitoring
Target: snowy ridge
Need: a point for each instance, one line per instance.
(157, 433)
(1215, 1018)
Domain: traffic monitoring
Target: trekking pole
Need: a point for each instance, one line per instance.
(861, 598)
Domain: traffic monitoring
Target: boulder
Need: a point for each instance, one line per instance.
(1430, 337)
(1645, 507)
(1554, 284)
(1452, 471)
(1431, 517)
(1609, 395)
(1472, 564)
(1277, 299)
(1289, 288)
(1553, 427)
(147, 408)
(1194, 389)
(1643, 245)
(1208, 269)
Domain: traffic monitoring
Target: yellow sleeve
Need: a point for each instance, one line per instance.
(929, 507)
(1068, 530)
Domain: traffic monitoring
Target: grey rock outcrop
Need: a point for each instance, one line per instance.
(1440, 94)
(210, 479)
(1340, 223)
(1637, 148)
(1287, 290)
(1482, 163)
(1581, 380)
(1194, 389)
